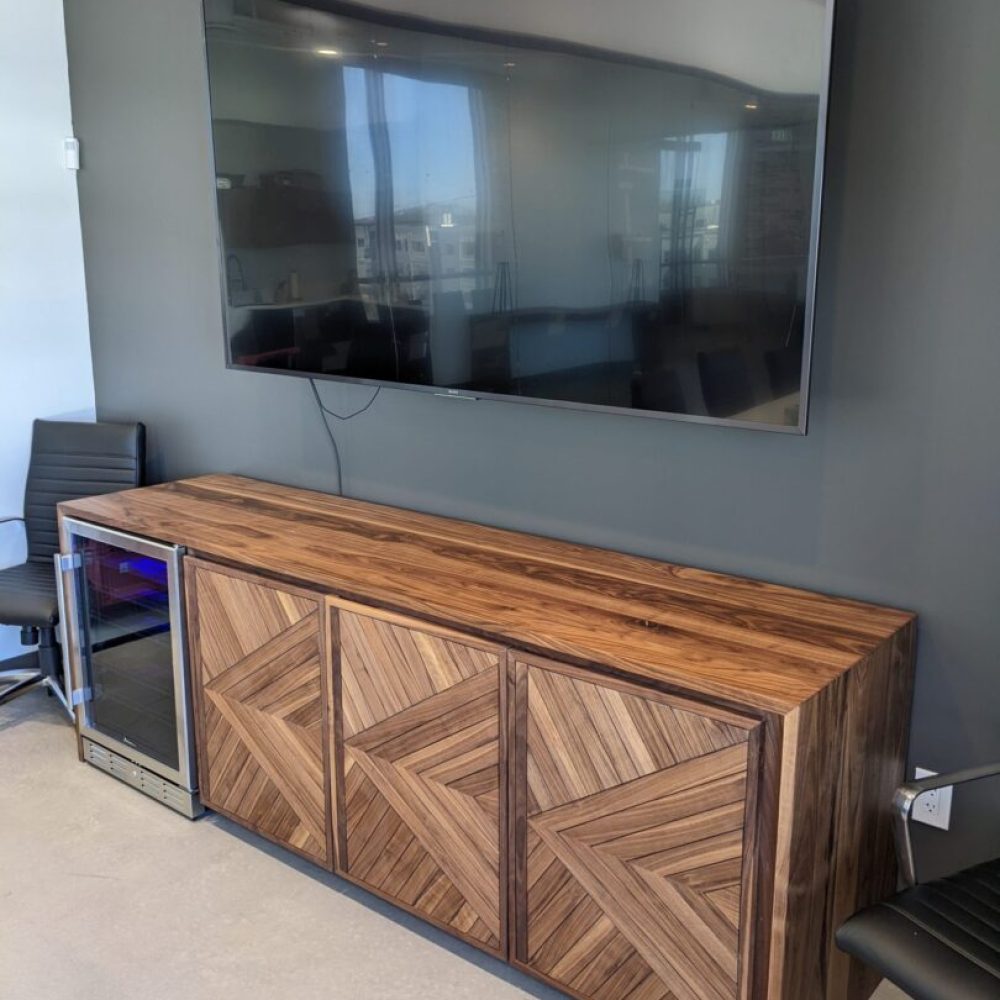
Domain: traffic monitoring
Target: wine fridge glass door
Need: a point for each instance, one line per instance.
(128, 620)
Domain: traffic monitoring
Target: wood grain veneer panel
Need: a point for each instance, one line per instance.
(259, 683)
(739, 641)
(424, 779)
(844, 754)
(632, 857)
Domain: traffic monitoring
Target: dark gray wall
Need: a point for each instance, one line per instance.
(893, 496)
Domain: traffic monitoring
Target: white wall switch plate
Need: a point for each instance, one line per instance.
(71, 152)
(933, 808)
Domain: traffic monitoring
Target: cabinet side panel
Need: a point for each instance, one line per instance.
(810, 772)
(843, 755)
(879, 695)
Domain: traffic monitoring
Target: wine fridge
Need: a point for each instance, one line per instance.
(122, 614)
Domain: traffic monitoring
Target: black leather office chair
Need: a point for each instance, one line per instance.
(937, 940)
(68, 461)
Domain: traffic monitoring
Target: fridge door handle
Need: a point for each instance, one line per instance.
(65, 564)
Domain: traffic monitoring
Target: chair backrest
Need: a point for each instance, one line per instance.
(73, 460)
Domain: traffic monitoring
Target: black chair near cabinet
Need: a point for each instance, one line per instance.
(68, 461)
(937, 940)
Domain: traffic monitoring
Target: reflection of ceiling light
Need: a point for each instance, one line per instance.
(751, 105)
(381, 45)
(509, 65)
(329, 53)
(712, 225)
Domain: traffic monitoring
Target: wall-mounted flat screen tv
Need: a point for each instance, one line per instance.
(606, 205)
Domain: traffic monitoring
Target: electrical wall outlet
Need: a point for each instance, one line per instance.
(933, 808)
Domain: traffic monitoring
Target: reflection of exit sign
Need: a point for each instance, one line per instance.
(781, 135)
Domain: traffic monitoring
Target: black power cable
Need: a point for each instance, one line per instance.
(326, 411)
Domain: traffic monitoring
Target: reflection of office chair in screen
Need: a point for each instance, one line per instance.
(337, 326)
(658, 390)
(784, 370)
(267, 341)
(725, 382)
(68, 461)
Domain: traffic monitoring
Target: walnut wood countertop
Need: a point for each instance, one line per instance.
(748, 644)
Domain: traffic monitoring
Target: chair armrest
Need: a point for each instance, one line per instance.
(906, 795)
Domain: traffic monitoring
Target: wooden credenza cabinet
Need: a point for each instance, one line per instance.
(630, 779)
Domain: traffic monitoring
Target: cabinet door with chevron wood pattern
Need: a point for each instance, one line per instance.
(422, 772)
(631, 842)
(260, 697)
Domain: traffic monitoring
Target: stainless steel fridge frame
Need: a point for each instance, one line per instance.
(118, 758)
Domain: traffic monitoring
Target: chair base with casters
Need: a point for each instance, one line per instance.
(936, 940)
(43, 668)
(29, 600)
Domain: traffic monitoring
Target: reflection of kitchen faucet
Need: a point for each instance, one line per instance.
(232, 277)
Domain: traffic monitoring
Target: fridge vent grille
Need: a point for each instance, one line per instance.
(138, 777)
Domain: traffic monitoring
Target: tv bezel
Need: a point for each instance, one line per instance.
(348, 8)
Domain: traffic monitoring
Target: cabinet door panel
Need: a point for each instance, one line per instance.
(257, 665)
(631, 865)
(422, 772)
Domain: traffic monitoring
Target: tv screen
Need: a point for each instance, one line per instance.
(571, 202)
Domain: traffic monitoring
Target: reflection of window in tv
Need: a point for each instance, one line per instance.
(413, 162)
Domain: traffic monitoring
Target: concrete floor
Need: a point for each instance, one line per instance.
(105, 895)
